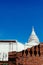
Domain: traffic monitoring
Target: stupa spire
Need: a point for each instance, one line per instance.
(33, 36)
(32, 28)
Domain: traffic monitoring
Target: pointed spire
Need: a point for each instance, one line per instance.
(33, 32)
(32, 28)
(33, 36)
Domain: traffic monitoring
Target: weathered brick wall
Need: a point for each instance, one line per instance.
(31, 56)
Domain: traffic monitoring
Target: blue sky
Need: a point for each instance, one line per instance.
(17, 18)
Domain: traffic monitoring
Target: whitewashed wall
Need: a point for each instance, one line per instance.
(6, 47)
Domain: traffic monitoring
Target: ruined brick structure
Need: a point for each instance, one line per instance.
(30, 56)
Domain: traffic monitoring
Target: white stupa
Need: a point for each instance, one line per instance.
(33, 37)
(33, 40)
